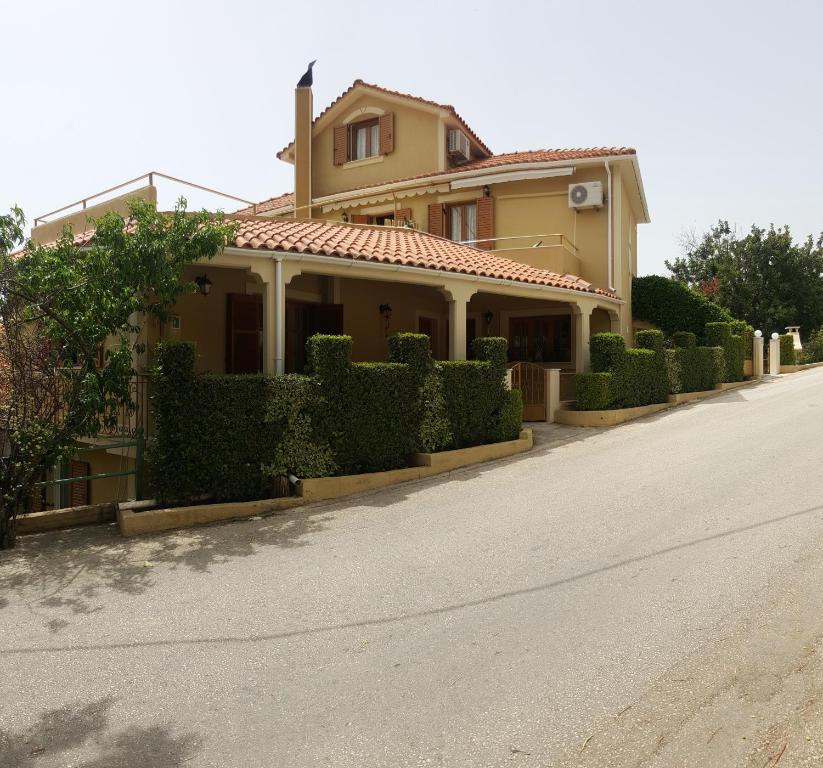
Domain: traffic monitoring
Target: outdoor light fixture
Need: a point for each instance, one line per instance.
(203, 283)
(345, 217)
(758, 334)
(775, 336)
(385, 313)
(486, 190)
(488, 315)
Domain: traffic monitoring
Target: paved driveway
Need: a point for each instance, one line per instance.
(648, 595)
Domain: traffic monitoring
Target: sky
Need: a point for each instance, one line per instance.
(723, 100)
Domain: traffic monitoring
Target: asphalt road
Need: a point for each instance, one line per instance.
(648, 595)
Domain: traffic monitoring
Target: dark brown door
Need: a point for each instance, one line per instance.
(244, 333)
(303, 320)
(471, 335)
(428, 325)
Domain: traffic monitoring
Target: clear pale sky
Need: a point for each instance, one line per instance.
(722, 100)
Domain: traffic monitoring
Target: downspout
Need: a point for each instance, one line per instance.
(279, 319)
(609, 245)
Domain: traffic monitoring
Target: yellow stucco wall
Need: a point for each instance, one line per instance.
(109, 488)
(416, 147)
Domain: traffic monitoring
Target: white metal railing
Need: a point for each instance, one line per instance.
(538, 242)
(43, 219)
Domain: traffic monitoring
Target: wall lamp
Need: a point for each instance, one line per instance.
(385, 313)
(203, 283)
(486, 191)
(488, 316)
(345, 217)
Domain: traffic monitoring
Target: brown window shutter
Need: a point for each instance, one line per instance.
(436, 219)
(402, 215)
(79, 492)
(358, 218)
(341, 133)
(387, 133)
(485, 223)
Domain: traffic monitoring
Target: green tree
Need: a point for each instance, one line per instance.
(58, 303)
(764, 277)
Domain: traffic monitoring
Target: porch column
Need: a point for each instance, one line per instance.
(582, 332)
(279, 318)
(265, 273)
(458, 297)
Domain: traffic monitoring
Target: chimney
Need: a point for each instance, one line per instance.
(302, 151)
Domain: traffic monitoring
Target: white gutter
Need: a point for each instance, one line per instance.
(610, 245)
(500, 177)
(421, 271)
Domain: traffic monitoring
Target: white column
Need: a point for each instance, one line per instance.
(458, 298)
(774, 357)
(582, 333)
(279, 290)
(757, 358)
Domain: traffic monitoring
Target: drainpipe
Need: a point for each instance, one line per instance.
(609, 247)
(279, 319)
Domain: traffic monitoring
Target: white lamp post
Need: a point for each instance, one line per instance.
(757, 355)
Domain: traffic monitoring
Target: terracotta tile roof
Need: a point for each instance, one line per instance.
(362, 84)
(285, 201)
(510, 158)
(388, 245)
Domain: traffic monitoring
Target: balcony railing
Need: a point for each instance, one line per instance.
(536, 242)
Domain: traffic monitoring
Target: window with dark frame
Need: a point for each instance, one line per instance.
(461, 222)
(364, 139)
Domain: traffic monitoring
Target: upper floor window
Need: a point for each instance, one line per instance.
(462, 222)
(364, 139)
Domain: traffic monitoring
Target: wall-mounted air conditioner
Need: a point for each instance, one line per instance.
(588, 194)
(459, 147)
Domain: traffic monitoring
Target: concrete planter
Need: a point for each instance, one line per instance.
(310, 490)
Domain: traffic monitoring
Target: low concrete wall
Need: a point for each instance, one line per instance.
(54, 519)
(133, 522)
(609, 418)
(615, 416)
(799, 368)
(425, 465)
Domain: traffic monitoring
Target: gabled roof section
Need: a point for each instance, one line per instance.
(280, 204)
(360, 85)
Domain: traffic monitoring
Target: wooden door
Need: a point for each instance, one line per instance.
(303, 320)
(428, 325)
(244, 333)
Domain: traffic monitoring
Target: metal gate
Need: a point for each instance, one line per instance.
(530, 379)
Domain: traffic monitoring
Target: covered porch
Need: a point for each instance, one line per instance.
(259, 309)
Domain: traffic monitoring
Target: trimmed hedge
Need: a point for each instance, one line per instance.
(606, 349)
(746, 332)
(787, 356)
(225, 437)
(720, 335)
(475, 393)
(593, 391)
(654, 341)
(672, 306)
(694, 369)
(638, 376)
(210, 434)
(684, 339)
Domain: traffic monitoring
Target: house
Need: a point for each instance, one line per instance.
(402, 219)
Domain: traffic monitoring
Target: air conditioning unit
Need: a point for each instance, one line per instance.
(588, 194)
(459, 147)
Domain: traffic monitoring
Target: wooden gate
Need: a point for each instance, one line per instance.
(530, 379)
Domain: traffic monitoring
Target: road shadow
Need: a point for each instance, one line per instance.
(65, 573)
(81, 736)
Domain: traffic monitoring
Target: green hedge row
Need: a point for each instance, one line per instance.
(787, 356)
(720, 335)
(226, 437)
(633, 376)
